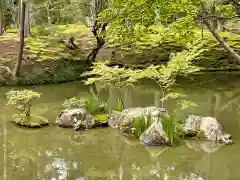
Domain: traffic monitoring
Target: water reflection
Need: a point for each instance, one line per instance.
(102, 154)
(202, 145)
(60, 168)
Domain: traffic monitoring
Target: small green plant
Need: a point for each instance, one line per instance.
(173, 129)
(95, 105)
(92, 103)
(119, 106)
(74, 103)
(22, 100)
(140, 124)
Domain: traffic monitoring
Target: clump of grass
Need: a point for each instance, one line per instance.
(173, 129)
(95, 105)
(92, 103)
(171, 126)
(119, 106)
(140, 124)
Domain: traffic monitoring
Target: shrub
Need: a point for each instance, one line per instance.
(22, 100)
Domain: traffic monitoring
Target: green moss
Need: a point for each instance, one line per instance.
(101, 117)
(201, 134)
(49, 73)
(9, 36)
(4, 60)
(32, 121)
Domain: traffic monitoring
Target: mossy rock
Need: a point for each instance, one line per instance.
(101, 117)
(32, 121)
(101, 120)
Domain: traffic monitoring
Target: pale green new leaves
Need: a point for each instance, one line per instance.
(164, 75)
(22, 100)
(132, 18)
(109, 76)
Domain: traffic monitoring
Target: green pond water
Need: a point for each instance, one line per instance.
(54, 153)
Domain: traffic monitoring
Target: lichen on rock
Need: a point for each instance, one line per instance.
(78, 118)
(154, 135)
(124, 120)
(207, 128)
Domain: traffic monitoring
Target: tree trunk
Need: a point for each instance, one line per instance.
(48, 13)
(100, 41)
(1, 21)
(26, 22)
(1, 27)
(20, 55)
(19, 14)
(222, 42)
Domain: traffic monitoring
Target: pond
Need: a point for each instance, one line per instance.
(54, 153)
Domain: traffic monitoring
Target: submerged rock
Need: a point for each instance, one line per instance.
(154, 135)
(124, 120)
(76, 118)
(32, 121)
(207, 128)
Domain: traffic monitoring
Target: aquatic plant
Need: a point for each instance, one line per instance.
(119, 106)
(92, 103)
(171, 126)
(22, 100)
(173, 129)
(140, 124)
(95, 105)
(74, 103)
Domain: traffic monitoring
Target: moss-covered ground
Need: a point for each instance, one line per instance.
(47, 59)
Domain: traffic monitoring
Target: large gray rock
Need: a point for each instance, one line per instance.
(154, 135)
(207, 128)
(124, 120)
(76, 118)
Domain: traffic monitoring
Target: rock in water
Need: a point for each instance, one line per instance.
(76, 118)
(124, 120)
(154, 135)
(207, 128)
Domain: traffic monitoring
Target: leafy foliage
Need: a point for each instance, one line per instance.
(163, 75)
(109, 76)
(173, 129)
(92, 103)
(22, 100)
(74, 103)
(119, 106)
(171, 126)
(140, 124)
